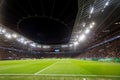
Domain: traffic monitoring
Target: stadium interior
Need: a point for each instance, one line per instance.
(22, 34)
(77, 29)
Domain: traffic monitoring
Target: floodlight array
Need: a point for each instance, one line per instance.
(80, 37)
(9, 34)
(86, 27)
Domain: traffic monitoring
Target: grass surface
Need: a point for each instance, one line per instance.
(58, 69)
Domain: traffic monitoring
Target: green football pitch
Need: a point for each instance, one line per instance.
(58, 69)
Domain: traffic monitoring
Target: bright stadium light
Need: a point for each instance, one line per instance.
(87, 31)
(84, 24)
(14, 35)
(82, 37)
(25, 42)
(91, 26)
(76, 43)
(33, 45)
(7, 35)
(93, 23)
(3, 30)
(70, 45)
(21, 40)
(107, 3)
(92, 9)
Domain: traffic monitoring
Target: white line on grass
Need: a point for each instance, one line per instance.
(78, 75)
(45, 68)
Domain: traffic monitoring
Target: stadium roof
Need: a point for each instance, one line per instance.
(43, 21)
(68, 24)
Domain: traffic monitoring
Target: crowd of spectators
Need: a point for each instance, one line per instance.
(107, 50)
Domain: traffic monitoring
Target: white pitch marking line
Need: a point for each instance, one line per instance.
(45, 68)
(59, 75)
(84, 78)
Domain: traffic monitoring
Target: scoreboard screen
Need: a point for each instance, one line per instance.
(57, 50)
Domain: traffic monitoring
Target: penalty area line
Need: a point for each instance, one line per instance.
(45, 68)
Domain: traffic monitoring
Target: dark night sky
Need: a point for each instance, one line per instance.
(43, 21)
